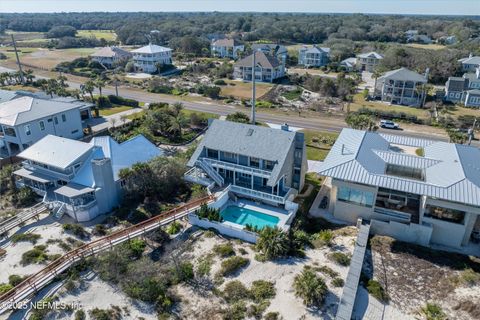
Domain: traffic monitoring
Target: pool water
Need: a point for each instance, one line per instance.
(244, 216)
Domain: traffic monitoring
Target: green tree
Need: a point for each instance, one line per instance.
(361, 122)
(310, 287)
(238, 117)
(88, 87)
(272, 242)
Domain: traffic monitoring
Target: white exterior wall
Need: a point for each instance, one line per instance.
(348, 211)
(415, 233)
(224, 228)
(147, 62)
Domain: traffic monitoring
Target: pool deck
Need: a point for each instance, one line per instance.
(280, 213)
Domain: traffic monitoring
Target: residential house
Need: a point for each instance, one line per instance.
(25, 120)
(470, 64)
(428, 199)
(79, 178)
(411, 33)
(349, 64)
(7, 95)
(226, 48)
(272, 49)
(264, 164)
(110, 56)
(401, 86)
(368, 61)
(313, 56)
(267, 68)
(419, 38)
(148, 58)
(464, 89)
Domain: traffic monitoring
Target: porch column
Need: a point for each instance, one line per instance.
(251, 183)
(278, 187)
(403, 92)
(470, 219)
(234, 178)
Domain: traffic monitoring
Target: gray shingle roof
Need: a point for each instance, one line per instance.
(452, 172)
(248, 140)
(315, 49)
(371, 54)
(264, 60)
(226, 43)
(403, 74)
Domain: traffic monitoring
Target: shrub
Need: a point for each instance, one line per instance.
(469, 277)
(235, 291)
(340, 258)
(174, 227)
(80, 315)
(123, 101)
(36, 255)
(204, 266)
(328, 271)
(262, 290)
(15, 279)
(209, 213)
(136, 247)
(5, 287)
(272, 316)
(25, 197)
(272, 242)
(99, 230)
(338, 282)
(220, 82)
(256, 311)
(224, 250)
(236, 311)
(375, 289)
(76, 229)
(25, 237)
(323, 238)
(239, 117)
(183, 272)
(433, 311)
(103, 102)
(311, 288)
(242, 251)
(232, 264)
(209, 234)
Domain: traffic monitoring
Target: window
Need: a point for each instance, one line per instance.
(74, 131)
(49, 120)
(269, 165)
(27, 130)
(55, 120)
(254, 162)
(439, 213)
(212, 153)
(42, 125)
(358, 197)
(64, 117)
(404, 172)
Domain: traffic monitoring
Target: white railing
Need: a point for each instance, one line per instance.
(393, 214)
(31, 167)
(211, 172)
(238, 167)
(195, 175)
(258, 194)
(21, 217)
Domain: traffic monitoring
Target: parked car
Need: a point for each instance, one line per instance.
(388, 124)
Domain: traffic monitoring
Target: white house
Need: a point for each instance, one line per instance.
(470, 64)
(401, 86)
(79, 178)
(267, 68)
(110, 56)
(465, 90)
(368, 61)
(429, 199)
(25, 119)
(146, 59)
(226, 48)
(313, 56)
(272, 49)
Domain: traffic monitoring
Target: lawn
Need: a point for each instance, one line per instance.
(318, 143)
(314, 72)
(431, 46)
(113, 110)
(456, 111)
(359, 102)
(243, 90)
(108, 35)
(46, 58)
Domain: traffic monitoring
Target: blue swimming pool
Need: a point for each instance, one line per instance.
(246, 216)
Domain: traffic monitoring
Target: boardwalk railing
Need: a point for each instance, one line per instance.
(21, 217)
(24, 290)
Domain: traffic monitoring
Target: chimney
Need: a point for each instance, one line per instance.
(285, 127)
(427, 72)
(470, 55)
(477, 72)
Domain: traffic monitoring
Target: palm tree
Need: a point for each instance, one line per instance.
(50, 87)
(75, 93)
(311, 288)
(100, 84)
(62, 85)
(88, 87)
(272, 242)
(375, 74)
(29, 75)
(178, 120)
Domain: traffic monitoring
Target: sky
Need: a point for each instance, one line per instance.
(436, 7)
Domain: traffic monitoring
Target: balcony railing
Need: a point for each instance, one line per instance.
(259, 194)
(238, 168)
(60, 175)
(393, 214)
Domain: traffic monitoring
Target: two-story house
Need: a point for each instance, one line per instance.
(313, 56)
(464, 90)
(470, 64)
(79, 178)
(402, 87)
(272, 49)
(25, 120)
(261, 163)
(148, 58)
(226, 48)
(267, 68)
(431, 198)
(110, 56)
(368, 61)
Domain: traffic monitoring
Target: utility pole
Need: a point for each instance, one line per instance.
(471, 132)
(253, 88)
(18, 60)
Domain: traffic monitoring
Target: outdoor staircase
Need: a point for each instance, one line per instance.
(212, 173)
(59, 211)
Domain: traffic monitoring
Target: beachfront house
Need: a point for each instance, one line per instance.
(226, 48)
(470, 64)
(267, 68)
(110, 57)
(464, 90)
(276, 50)
(368, 61)
(402, 87)
(26, 119)
(79, 178)
(412, 189)
(149, 58)
(313, 56)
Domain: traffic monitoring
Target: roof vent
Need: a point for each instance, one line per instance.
(250, 132)
(285, 127)
(345, 150)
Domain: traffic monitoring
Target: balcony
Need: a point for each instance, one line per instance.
(63, 176)
(262, 195)
(391, 215)
(238, 168)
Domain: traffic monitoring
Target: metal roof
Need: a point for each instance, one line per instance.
(7, 95)
(315, 49)
(56, 151)
(110, 52)
(248, 140)
(151, 48)
(73, 190)
(371, 54)
(452, 172)
(470, 60)
(26, 109)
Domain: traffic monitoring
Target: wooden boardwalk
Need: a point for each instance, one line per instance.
(21, 217)
(25, 290)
